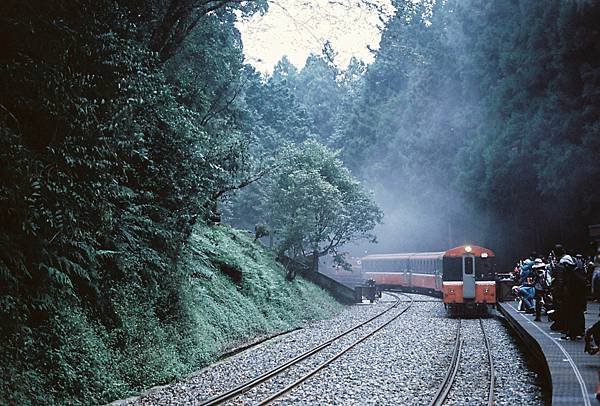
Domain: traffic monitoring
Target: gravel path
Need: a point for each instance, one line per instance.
(402, 364)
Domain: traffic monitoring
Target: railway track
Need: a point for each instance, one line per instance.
(441, 395)
(259, 380)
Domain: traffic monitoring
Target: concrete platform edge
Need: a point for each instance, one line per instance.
(533, 347)
(540, 352)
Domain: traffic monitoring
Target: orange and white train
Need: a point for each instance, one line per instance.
(464, 276)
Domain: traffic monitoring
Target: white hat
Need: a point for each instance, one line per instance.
(567, 259)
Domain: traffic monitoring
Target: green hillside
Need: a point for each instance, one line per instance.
(231, 289)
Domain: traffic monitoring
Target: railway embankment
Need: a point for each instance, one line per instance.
(230, 291)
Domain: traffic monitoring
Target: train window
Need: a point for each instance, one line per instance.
(469, 265)
(486, 264)
(487, 268)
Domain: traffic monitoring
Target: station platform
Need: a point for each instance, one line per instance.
(572, 374)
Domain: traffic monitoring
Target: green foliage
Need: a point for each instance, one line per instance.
(122, 124)
(482, 112)
(318, 88)
(315, 204)
(71, 358)
(539, 123)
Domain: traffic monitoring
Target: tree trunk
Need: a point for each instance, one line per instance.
(314, 266)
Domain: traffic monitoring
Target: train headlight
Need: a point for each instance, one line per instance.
(484, 255)
(468, 248)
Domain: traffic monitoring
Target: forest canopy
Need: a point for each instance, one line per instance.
(129, 128)
(125, 126)
(478, 121)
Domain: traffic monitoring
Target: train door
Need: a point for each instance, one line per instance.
(438, 274)
(468, 277)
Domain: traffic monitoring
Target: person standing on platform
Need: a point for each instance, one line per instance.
(558, 289)
(539, 285)
(596, 276)
(575, 281)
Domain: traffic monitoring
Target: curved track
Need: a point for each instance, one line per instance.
(441, 395)
(246, 386)
(490, 363)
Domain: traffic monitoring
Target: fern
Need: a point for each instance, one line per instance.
(71, 268)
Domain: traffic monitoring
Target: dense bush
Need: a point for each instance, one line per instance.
(72, 358)
(122, 124)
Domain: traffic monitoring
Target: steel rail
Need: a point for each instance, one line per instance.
(444, 389)
(325, 364)
(491, 363)
(246, 386)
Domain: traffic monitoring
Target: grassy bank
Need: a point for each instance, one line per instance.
(228, 289)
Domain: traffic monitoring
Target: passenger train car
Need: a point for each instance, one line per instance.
(464, 276)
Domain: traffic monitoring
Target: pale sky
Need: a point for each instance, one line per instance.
(298, 27)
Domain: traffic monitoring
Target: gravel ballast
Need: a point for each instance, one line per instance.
(248, 364)
(472, 381)
(515, 382)
(402, 364)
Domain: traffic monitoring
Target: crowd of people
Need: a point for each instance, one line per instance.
(558, 286)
